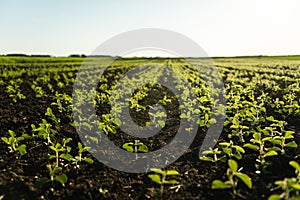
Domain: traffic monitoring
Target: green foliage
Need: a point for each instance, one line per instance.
(136, 147)
(13, 142)
(160, 177)
(233, 175)
(44, 131)
(290, 186)
(51, 116)
(78, 159)
(14, 91)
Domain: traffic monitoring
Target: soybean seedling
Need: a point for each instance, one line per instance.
(233, 174)
(160, 177)
(51, 116)
(13, 142)
(213, 155)
(232, 150)
(80, 158)
(258, 144)
(44, 131)
(290, 186)
(136, 146)
(56, 148)
(55, 174)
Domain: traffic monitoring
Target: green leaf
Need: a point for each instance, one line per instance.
(80, 146)
(238, 155)
(61, 178)
(240, 149)
(275, 197)
(4, 139)
(50, 157)
(158, 171)
(201, 123)
(233, 165)
(11, 133)
(171, 182)
(56, 170)
(22, 149)
(128, 147)
(161, 123)
(88, 160)
(295, 165)
(224, 144)
(266, 139)
(235, 121)
(245, 178)
(183, 115)
(277, 149)
(67, 157)
(292, 144)
(217, 184)
(206, 158)
(270, 153)
(155, 178)
(276, 141)
(26, 136)
(172, 172)
(271, 118)
(118, 122)
(53, 148)
(143, 148)
(251, 146)
(296, 186)
(289, 134)
(256, 136)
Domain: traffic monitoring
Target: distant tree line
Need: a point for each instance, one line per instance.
(25, 55)
(40, 55)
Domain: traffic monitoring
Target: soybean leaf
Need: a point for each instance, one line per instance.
(296, 186)
(217, 184)
(128, 147)
(295, 165)
(4, 139)
(161, 123)
(270, 153)
(240, 149)
(292, 144)
(245, 178)
(275, 197)
(171, 182)
(61, 178)
(156, 170)
(206, 158)
(233, 165)
(22, 149)
(155, 178)
(67, 157)
(143, 148)
(88, 160)
(172, 172)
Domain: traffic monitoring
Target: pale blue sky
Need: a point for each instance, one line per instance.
(221, 27)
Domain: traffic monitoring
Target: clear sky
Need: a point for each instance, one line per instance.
(220, 27)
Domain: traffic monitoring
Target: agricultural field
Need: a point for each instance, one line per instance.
(43, 119)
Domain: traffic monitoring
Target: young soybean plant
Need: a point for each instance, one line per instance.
(13, 142)
(135, 147)
(233, 175)
(80, 158)
(258, 144)
(160, 178)
(290, 186)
